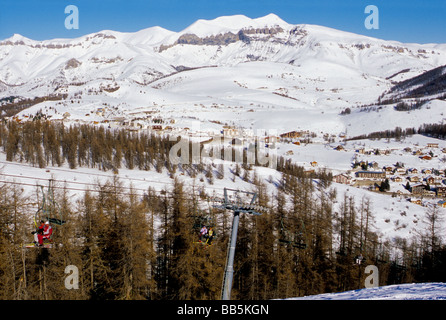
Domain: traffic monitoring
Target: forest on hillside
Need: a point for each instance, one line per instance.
(434, 130)
(132, 246)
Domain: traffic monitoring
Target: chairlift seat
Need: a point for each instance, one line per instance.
(55, 221)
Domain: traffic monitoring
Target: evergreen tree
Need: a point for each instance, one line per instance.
(12, 143)
(136, 237)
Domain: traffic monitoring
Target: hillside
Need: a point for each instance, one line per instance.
(431, 83)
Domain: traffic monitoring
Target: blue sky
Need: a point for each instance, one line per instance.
(405, 21)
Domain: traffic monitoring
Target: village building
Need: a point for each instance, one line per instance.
(291, 135)
(309, 172)
(100, 111)
(433, 180)
(371, 174)
(342, 178)
(374, 165)
(430, 180)
(271, 139)
(441, 192)
(441, 203)
(429, 193)
(421, 190)
(363, 163)
(230, 132)
(418, 188)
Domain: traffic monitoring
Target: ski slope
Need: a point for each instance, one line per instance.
(410, 291)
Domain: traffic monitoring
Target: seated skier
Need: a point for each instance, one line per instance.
(203, 233)
(210, 236)
(38, 234)
(47, 231)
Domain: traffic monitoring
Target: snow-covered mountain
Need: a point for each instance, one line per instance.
(37, 67)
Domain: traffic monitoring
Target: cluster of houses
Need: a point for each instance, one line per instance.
(425, 153)
(426, 183)
(141, 121)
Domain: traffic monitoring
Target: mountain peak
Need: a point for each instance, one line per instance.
(271, 19)
(234, 23)
(202, 27)
(17, 38)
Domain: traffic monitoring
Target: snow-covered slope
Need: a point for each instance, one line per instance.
(410, 291)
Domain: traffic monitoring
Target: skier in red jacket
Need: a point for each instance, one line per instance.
(38, 234)
(47, 231)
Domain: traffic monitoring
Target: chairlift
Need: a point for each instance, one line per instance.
(49, 210)
(359, 259)
(202, 219)
(295, 238)
(398, 267)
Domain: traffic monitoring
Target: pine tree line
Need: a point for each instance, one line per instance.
(49, 143)
(435, 130)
